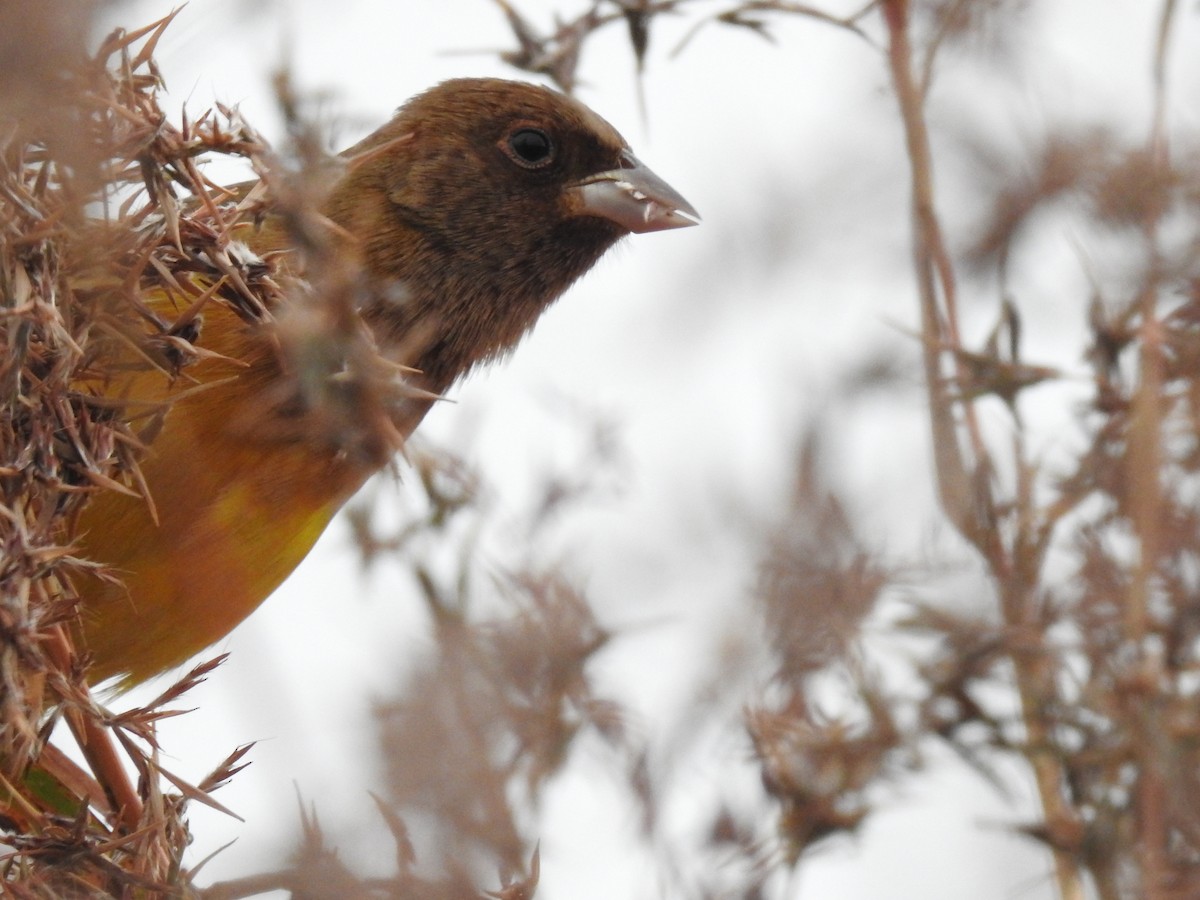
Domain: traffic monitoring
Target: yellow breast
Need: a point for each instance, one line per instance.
(237, 501)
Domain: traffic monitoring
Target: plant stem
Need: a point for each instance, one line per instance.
(963, 487)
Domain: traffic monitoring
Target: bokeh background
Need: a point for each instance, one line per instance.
(667, 397)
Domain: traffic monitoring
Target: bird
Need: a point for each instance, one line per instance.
(466, 216)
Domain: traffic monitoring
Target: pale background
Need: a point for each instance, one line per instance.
(710, 349)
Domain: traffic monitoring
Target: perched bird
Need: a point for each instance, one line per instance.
(468, 213)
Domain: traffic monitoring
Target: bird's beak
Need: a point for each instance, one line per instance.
(633, 197)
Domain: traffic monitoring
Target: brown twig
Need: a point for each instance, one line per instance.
(1145, 462)
(964, 487)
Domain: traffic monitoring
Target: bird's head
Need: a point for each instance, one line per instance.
(480, 202)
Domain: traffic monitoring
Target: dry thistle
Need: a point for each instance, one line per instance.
(102, 199)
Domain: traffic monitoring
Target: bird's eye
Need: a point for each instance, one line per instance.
(530, 147)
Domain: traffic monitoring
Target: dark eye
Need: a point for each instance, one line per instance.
(531, 148)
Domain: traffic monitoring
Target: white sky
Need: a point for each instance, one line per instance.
(709, 352)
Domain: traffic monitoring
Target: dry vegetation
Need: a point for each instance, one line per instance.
(89, 216)
(101, 202)
(98, 189)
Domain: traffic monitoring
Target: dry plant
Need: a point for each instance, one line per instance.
(90, 216)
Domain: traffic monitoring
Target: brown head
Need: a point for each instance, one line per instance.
(477, 205)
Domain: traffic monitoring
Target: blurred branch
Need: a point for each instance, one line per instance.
(1145, 472)
(965, 488)
(557, 54)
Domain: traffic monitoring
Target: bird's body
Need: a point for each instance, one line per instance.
(466, 215)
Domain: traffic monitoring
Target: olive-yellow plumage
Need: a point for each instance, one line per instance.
(232, 516)
(468, 213)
